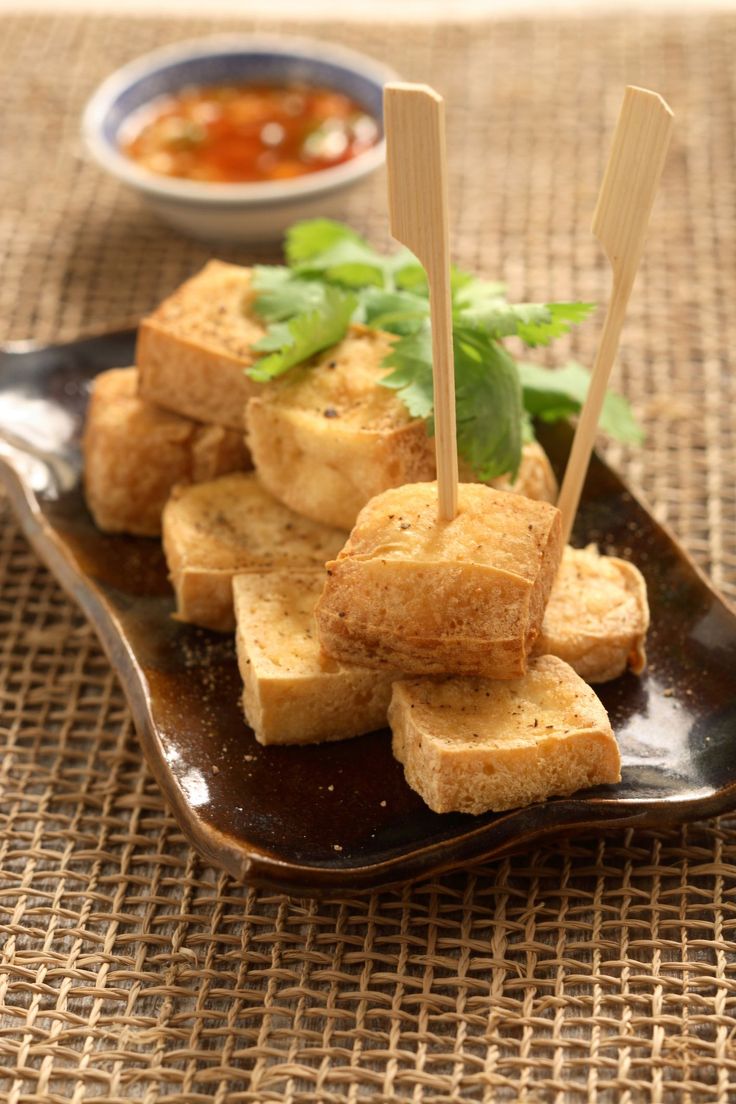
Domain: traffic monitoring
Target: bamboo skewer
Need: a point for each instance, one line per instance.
(620, 223)
(414, 120)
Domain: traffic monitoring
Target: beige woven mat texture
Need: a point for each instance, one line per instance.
(594, 970)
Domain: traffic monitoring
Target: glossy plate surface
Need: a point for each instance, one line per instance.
(313, 820)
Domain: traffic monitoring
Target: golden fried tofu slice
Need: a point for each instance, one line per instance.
(465, 596)
(597, 615)
(472, 745)
(292, 692)
(534, 479)
(135, 452)
(327, 437)
(192, 351)
(229, 526)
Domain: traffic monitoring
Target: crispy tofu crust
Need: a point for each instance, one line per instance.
(226, 527)
(429, 597)
(327, 437)
(534, 479)
(192, 351)
(474, 745)
(135, 452)
(597, 616)
(292, 692)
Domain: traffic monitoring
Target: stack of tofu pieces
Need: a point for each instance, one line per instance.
(476, 638)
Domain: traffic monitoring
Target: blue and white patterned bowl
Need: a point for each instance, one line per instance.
(235, 212)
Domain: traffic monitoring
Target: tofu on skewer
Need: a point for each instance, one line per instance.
(465, 596)
(597, 616)
(328, 437)
(292, 692)
(472, 745)
(229, 526)
(135, 452)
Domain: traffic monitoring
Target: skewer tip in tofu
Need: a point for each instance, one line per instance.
(464, 596)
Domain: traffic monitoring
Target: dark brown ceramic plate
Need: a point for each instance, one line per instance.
(311, 820)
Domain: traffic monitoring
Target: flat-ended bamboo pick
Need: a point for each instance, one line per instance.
(620, 223)
(414, 121)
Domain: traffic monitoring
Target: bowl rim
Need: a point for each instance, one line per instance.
(224, 195)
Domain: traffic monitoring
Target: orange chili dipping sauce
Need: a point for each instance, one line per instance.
(229, 134)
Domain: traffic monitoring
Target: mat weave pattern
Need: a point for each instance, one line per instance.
(595, 970)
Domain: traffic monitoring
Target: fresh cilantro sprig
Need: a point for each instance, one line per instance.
(551, 394)
(488, 403)
(334, 277)
(307, 333)
(488, 399)
(282, 295)
(322, 248)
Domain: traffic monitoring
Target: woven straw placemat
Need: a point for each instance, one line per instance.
(595, 970)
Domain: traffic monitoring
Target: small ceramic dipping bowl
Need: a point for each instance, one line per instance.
(239, 212)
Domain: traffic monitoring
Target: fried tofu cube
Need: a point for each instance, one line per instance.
(327, 437)
(230, 526)
(292, 692)
(597, 616)
(472, 745)
(424, 596)
(534, 479)
(135, 452)
(193, 350)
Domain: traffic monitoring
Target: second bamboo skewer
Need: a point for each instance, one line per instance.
(414, 121)
(620, 223)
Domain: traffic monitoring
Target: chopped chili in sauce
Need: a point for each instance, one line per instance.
(234, 133)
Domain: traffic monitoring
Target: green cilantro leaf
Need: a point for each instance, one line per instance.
(276, 337)
(335, 253)
(306, 334)
(488, 403)
(487, 395)
(280, 294)
(554, 393)
(408, 274)
(471, 294)
(351, 264)
(308, 239)
(540, 330)
(483, 304)
(397, 312)
(411, 359)
(334, 276)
